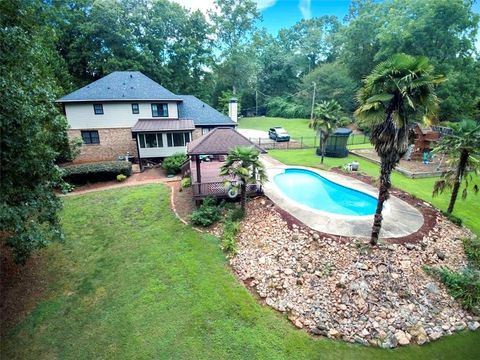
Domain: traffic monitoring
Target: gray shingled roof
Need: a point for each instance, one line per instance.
(202, 113)
(121, 85)
(219, 141)
(163, 125)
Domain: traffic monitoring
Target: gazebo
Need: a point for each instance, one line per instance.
(207, 154)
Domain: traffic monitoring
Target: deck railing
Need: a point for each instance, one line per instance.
(218, 189)
(185, 168)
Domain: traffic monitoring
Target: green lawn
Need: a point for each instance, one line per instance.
(297, 128)
(467, 210)
(132, 282)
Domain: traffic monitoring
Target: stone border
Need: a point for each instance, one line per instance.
(350, 226)
(340, 289)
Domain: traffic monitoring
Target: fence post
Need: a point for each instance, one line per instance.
(301, 142)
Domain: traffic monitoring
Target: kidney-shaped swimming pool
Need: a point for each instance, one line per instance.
(313, 190)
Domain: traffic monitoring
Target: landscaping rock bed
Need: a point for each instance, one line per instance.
(344, 289)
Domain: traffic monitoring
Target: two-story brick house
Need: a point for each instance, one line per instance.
(127, 112)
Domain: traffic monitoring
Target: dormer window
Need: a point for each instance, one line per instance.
(135, 109)
(98, 109)
(160, 110)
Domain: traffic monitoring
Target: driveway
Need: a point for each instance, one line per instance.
(259, 137)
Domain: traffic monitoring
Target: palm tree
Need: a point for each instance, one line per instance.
(395, 91)
(327, 117)
(243, 163)
(463, 149)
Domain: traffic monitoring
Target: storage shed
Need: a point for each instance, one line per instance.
(337, 144)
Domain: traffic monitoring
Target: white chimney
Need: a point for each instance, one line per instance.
(233, 109)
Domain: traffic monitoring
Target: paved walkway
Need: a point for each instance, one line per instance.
(400, 219)
(149, 176)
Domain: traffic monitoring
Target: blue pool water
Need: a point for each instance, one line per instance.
(313, 190)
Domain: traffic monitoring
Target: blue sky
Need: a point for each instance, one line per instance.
(285, 13)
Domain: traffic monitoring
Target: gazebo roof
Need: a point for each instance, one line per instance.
(219, 141)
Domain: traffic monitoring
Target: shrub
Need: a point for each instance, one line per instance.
(186, 182)
(173, 163)
(463, 285)
(236, 214)
(98, 171)
(207, 213)
(472, 251)
(121, 178)
(230, 231)
(454, 219)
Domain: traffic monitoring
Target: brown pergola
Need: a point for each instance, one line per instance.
(216, 143)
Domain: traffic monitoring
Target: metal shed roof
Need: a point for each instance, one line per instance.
(148, 125)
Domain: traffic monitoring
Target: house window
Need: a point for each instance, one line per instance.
(98, 109)
(90, 137)
(135, 109)
(178, 139)
(152, 140)
(141, 138)
(160, 110)
(206, 130)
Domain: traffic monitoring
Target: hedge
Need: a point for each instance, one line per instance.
(97, 171)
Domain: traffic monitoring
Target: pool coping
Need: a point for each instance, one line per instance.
(411, 219)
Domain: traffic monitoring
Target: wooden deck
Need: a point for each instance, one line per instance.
(212, 184)
(209, 172)
(219, 190)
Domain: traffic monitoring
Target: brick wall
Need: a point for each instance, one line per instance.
(113, 142)
(196, 133)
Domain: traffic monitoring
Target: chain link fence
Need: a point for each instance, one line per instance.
(304, 142)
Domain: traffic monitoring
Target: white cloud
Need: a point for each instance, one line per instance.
(205, 5)
(305, 7)
(264, 4)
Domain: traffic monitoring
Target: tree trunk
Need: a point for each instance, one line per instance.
(323, 145)
(387, 165)
(462, 165)
(391, 144)
(243, 196)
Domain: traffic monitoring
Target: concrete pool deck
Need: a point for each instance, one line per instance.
(399, 218)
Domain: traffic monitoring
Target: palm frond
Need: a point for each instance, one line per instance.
(439, 187)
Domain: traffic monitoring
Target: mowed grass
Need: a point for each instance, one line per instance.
(297, 128)
(132, 282)
(468, 210)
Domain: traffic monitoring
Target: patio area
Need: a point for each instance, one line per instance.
(209, 171)
(206, 180)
